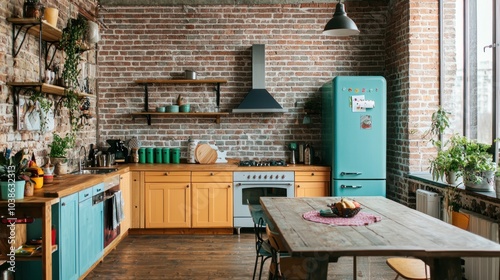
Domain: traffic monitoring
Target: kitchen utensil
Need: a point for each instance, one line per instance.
(205, 154)
(190, 75)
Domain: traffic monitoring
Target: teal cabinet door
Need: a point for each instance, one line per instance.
(68, 241)
(85, 255)
(97, 231)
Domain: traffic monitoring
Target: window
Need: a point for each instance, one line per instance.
(469, 67)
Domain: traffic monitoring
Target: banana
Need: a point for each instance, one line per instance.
(349, 203)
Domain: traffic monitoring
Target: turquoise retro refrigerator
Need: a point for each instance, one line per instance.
(354, 134)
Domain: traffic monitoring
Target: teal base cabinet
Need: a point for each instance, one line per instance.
(79, 225)
(85, 254)
(68, 238)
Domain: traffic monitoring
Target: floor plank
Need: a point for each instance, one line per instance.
(208, 257)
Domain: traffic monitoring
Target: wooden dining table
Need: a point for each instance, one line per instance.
(401, 231)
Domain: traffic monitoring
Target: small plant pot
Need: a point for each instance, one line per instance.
(32, 10)
(51, 15)
(12, 190)
(486, 184)
(453, 178)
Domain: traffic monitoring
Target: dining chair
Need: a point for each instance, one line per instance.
(282, 265)
(416, 269)
(262, 248)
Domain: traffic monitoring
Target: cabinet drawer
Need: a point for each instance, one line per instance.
(312, 176)
(99, 188)
(167, 176)
(212, 177)
(84, 194)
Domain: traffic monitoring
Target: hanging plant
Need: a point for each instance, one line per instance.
(44, 106)
(72, 42)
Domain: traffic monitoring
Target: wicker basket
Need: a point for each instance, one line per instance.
(345, 212)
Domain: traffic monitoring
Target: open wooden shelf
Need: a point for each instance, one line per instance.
(148, 115)
(180, 81)
(49, 32)
(46, 88)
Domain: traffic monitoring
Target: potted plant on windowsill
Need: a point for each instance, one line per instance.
(59, 151)
(13, 175)
(479, 169)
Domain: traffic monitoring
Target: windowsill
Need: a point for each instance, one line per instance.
(426, 177)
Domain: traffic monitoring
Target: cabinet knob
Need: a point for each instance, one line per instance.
(166, 173)
(312, 174)
(298, 186)
(228, 186)
(211, 174)
(187, 186)
(135, 206)
(63, 204)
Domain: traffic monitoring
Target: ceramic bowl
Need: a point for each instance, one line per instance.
(172, 108)
(185, 108)
(160, 109)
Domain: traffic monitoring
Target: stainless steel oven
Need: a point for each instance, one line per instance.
(250, 186)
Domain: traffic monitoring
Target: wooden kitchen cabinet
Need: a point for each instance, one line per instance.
(167, 199)
(137, 192)
(126, 189)
(212, 199)
(312, 184)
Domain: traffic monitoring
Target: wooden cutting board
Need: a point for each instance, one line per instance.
(205, 154)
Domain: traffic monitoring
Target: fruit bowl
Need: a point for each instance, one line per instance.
(345, 208)
(344, 212)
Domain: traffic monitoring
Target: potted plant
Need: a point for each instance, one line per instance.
(59, 151)
(32, 9)
(13, 175)
(478, 168)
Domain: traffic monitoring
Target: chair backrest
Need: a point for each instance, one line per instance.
(460, 220)
(257, 214)
(275, 240)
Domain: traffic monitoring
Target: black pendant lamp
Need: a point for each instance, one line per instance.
(340, 24)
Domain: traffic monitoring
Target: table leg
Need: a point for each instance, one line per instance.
(317, 268)
(446, 268)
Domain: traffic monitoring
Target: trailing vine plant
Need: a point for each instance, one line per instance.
(72, 42)
(45, 106)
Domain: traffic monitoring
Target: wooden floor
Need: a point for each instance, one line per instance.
(207, 257)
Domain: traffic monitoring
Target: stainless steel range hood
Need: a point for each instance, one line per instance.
(258, 99)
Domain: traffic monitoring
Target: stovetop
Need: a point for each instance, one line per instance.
(272, 162)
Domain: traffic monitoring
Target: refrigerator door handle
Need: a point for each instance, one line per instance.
(349, 173)
(350, 187)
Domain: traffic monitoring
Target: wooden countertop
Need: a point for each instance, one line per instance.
(68, 184)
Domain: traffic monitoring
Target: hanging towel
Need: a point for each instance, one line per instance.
(118, 214)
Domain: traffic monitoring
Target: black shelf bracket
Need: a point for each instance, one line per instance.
(217, 95)
(15, 36)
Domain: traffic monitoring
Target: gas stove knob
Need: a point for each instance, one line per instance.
(260, 176)
(277, 177)
(248, 177)
(254, 176)
(265, 176)
(283, 176)
(270, 176)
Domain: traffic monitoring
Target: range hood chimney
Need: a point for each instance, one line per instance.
(258, 99)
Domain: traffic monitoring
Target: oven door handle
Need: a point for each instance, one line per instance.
(263, 184)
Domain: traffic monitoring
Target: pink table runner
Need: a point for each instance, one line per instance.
(361, 219)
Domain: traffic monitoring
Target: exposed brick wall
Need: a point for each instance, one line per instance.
(216, 40)
(413, 81)
(24, 68)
